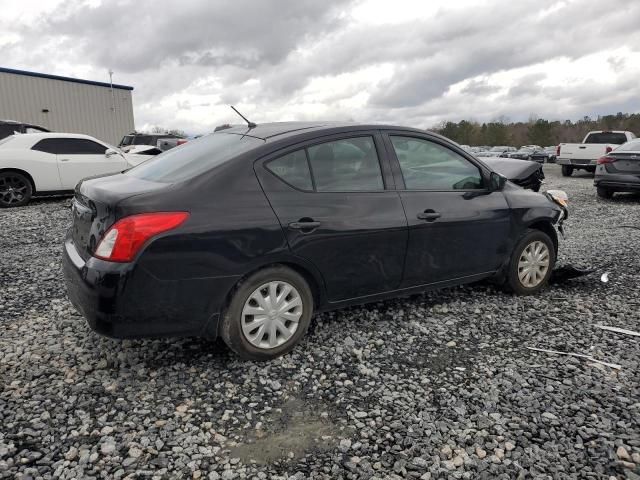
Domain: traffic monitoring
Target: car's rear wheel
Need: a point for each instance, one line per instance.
(268, 314)
(531, 263)
(567, 170)
(15, 189)
(604, 192)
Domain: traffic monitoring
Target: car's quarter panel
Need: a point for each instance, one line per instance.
(185, 275)
(359, 245)
(74, 168)
(41, 166)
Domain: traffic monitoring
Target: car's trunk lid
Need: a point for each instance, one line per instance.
(95, 207)
(625, 163)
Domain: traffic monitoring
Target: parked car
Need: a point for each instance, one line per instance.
(47, 163)
(551, 153)
(245, 236)
(523, 153)
(524, 173)
(541, 156)
(136, 154)
(164, 141)
(499, 151)
(584, 156)
(11, 127)
(619, 170)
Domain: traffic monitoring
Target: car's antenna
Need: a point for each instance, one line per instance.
(250, 124)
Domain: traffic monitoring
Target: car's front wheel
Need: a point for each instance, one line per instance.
(15, 189)
(531, 263)
(567, 170)
(268, 314)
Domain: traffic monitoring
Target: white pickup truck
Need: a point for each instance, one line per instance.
(584, 156)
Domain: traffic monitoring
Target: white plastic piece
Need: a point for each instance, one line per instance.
(619, 330)
(556, 352)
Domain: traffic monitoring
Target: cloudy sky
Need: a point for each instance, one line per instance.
(410, 62)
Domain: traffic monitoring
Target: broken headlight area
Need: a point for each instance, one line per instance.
(560, 198)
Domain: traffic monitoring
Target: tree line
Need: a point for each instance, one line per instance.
(536, 131)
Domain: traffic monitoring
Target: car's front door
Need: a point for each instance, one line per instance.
(79, 158)
(458, 228)
(331, 200)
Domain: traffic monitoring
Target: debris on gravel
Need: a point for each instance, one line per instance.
(439, 385)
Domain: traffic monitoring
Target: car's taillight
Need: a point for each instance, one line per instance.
(181, 142)
(608, 149)
(127, 236)
(558, 151)
(603, 160)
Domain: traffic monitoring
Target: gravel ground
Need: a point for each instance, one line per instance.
(433, 386)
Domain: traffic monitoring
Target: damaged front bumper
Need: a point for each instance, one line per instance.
(561, 199)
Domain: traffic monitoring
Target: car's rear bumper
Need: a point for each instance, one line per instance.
(123, 300)
(577, 162)
(618, 182)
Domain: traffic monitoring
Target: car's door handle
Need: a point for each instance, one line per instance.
(582, 148)
(429, 215)
(64, 159)
(304, 225)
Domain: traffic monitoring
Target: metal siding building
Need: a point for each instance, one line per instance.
(64, 104)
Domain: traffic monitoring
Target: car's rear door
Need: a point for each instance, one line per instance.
(334, 200)
(457, 228)
(79, 158)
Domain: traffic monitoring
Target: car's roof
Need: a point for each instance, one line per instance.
(41, 135)
(26, 140)
(278, 130)
(16, 122)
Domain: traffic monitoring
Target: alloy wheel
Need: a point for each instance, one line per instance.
(271, 314)
(13, 189)
(533, 264)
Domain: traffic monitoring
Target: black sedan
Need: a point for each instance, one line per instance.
(244, 233)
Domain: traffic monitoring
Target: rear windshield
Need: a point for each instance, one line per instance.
(194, 158)
(632, 146)
(606, 137)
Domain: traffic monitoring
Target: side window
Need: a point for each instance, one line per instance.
(82, 146)
(70, 146)
(346, 165)
(427, 165)
(293, 168)
(48, 145)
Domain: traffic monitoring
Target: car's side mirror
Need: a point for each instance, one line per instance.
(110, 152)
(496, 182)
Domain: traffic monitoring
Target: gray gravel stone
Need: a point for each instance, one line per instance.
(432, 386)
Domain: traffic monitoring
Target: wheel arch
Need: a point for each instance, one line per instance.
(547, 227)
(308, 272)
(22, 172)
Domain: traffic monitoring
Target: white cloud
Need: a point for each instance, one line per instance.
(408, 61)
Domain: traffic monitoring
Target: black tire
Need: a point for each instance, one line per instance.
(513, 282)
(604, 192)
(231, 328)
(567, 170)
(15, 189)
